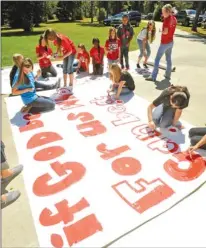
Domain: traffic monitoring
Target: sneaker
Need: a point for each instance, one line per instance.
(127, 68)
(16, 171)
(122, 66)
(62, 94)
(59, 65)
(138, 66)
(10, 198)
(150, 79)
(145, 66)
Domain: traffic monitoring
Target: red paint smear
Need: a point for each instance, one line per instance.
(173, 130)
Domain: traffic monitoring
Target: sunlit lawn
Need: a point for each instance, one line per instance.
(17, 41)
(200, 31)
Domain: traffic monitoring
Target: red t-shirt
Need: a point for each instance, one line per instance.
(44, 62)
(170, 23)
(66, 45)
(113, 47)
(82, 58)
(97, 55)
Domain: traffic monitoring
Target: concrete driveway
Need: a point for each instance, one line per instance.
(189, 57)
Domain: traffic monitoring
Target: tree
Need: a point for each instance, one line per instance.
(65, 10)
(92, 11)
(101, 15)
(198, 11)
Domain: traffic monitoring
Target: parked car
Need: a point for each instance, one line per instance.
(134, 18)
(186, 17)
(107, 21)
(143, 16)
(149, 16)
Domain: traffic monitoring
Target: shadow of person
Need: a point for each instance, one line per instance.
(18, 120)
(162, 85)
(177, 136)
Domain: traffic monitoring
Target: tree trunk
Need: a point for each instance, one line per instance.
(92, 7)
(198, 11)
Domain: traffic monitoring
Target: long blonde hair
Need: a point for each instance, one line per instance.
(23, 79)
(116, 73)
(168, 8)
(16, 59)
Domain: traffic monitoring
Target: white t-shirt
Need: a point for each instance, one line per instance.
(142, 35)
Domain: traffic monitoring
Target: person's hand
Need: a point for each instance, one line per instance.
(152, 125)
(116, 97)
(191, 149)
(38, 73)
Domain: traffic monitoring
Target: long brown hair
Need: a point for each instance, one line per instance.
(116, 73)
(179, 95)
(50, 34)
(40, 40)
(82, 46)
(153, 33)
(110, 33)
(23, 79)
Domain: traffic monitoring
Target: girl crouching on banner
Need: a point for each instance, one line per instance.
(168, 107)
(122, 81)
(24, 85)
(83, 58)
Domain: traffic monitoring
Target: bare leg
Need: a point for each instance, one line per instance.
(65, 80)
(71, 79)
(145, 59)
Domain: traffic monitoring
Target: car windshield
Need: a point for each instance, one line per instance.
(191, 12)
(118, 15)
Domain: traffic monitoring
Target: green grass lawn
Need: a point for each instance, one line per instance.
(17, 41)
(200, 31)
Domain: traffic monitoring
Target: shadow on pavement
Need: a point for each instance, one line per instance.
(193, 37)
(163, 84)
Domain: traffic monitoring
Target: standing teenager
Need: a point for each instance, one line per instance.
(170, 104)
(122, 81)
(24, 85)
(66, 47)
(146, 36)
(112, 47)
(44, 55)
(168, 29)
(125, 33)
(97, 55)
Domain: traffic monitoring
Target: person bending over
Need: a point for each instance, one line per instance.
(23, 85)
(122, 81)
(170, 104)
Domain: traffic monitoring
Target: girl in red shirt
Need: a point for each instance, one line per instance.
(112, 47)
(65, 46)
(84, 59)
(44, 54)
(97, 55)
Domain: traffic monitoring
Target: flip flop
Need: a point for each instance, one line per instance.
(10, 198)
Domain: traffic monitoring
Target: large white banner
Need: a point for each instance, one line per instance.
(94, 171)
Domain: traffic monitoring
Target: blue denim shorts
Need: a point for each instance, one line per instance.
(68, 64)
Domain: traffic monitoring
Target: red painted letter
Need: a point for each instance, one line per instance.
(43, 187)
(34, 124)
(125, 118)
(65, 213)
(95, 128)
(126, 166)
(164, 146)
(49, 153)
(150, 194)
(42, 138)
(143, 132)
(85, 116)
(107, 154)
(78, 231)
(195, 167)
